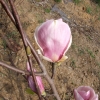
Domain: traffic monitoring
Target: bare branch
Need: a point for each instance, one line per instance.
(14, 69)
(15, 19)
(19, 26)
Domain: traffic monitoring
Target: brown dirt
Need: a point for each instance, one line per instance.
(81, 68)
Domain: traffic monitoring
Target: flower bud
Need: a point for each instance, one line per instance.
(54, 39)
(85, 93)
(32, 83)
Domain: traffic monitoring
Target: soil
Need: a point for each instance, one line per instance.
(83, 64)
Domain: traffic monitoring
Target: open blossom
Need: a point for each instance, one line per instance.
(85, 93)
(54, 39)
(39, 82)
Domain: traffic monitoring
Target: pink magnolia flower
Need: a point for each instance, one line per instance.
(39, 82)
(85, 93)
(54, 39)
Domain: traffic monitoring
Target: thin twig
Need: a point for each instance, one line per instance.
(6, 8)
(50, 81)
(14, 69)
(23, 72)
(53, 70)
(18, 24)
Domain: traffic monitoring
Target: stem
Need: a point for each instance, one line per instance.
(23, 72)
(6, 8)
(19, 26)
(17, 23)
(14, 69)
(53, 70)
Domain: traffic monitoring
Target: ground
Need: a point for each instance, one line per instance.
(83, 64)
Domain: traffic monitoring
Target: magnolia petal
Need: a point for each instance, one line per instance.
(95, 97)
(61, 60)
(53, 38)
(77, 95)
(36, 32)
(86, 92)
(46, 58)
(40, 84)
(87, 88)
(31, 84)
(37, 43)
(41, 55)
(69, 45)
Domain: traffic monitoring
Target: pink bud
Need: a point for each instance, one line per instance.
(39, 82)
(85, 93)
(54, 39)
